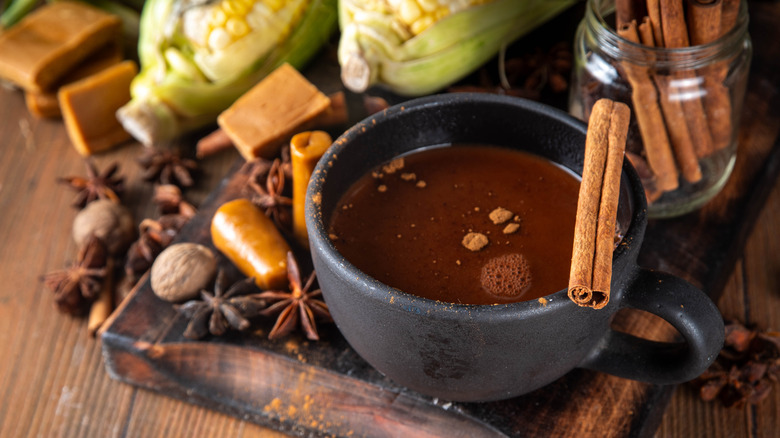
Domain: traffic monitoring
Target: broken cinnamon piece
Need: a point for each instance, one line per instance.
(306, 149)
(374, 104)
(269, 113)
(89, 107)
(102, 307)
(594, 231)
(45, 104)
(213, 143)
(647, 111)
(54, 38)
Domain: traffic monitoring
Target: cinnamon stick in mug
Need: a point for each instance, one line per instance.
(594, 229)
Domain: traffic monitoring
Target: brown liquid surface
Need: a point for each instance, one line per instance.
(405, 227)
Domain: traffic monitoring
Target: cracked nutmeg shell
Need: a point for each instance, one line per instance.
(182, 270)
(107, 220)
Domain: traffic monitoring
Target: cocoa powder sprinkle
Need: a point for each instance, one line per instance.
(500, 215)
(474, 241)
(511, 228)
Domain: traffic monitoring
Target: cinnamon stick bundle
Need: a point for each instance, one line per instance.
(651, 123)
(594, 229)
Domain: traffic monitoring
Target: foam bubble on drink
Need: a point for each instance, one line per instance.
(506, 276)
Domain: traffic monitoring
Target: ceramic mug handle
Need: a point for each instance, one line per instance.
(678, 302)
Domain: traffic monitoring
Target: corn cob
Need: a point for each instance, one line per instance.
(198, 56)
(416, 47)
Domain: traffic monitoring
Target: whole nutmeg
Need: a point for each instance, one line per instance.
(107, 220)
(182, 270)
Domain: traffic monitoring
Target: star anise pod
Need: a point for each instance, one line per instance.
(224, 308)
(78, 285)
(297, 304)
(96, 185)
(167, 167)
(745, 368)
(268, 192)
(153, 237)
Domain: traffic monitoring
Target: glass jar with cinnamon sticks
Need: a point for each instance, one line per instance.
(682, 66)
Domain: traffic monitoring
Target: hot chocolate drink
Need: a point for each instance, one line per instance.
(468, 224)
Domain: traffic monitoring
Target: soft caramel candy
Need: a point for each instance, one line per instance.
(45, 104)
(306, 149)
(269, 113)
(53, 39)
(249, 239)
(89, 108)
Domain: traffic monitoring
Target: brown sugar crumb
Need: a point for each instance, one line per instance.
(506, 276)
(333, 237)
(457, 262)
(382, 188)
(377, 175)
(408, 176)
(474, 241)
(393, 166)
(543, 301)
(421, 184)
(500, 215)
(511, 228)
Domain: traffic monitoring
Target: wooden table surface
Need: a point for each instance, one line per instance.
(52, 378)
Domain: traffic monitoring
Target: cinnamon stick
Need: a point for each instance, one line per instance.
(679, 135)
(213, 143)
(728, 15)
(675, 31)
(654, 13)
(627, 10)
(704, 26)
(652, 127)
(591, 268)
(104, 304)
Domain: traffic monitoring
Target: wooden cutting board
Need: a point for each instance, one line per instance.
(325, 389)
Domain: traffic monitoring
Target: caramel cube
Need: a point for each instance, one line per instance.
(89, 108)
(268, 114)
(45, 104)
(40, 49)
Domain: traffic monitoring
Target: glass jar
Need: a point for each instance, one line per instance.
(685, 103)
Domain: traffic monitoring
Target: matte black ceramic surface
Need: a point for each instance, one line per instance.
(480, 353)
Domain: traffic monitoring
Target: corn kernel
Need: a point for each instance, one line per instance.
(275, 5)
(219, 39)
(236, 28)
(429, 5)
(217, 17)
(420, 25)
(409, 12)
(234, 7)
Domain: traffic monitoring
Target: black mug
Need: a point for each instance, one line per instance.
(465, 352)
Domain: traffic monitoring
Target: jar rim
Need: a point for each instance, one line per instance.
(662, 57)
